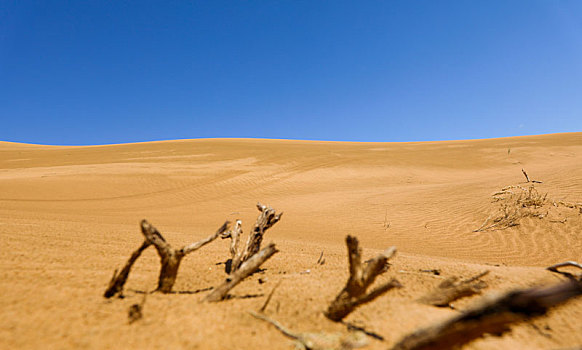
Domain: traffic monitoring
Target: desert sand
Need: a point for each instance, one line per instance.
(69, 216)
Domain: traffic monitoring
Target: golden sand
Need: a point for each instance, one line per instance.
(69, 216)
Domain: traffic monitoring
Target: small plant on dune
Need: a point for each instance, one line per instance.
(516, 202)
(532, 198)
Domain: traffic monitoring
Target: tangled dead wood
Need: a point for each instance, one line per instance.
(361, 277)
(267, 218)
(491, 317)
(246, 260)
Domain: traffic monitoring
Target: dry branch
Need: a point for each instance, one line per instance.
(234, 235)
(170, 259)
(267, 218)
(492, 317)
(118, 280)
(321, 259)
(452, 289)
(361, 277)
(528, 180)
(554, 268)
(245, 270)
(525, 174)
(319, 341)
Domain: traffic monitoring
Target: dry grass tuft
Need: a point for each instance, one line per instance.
(516, 202)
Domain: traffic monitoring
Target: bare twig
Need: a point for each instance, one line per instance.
(234, 235)
(435, 272)
(386, 223)
(318, 341)
(563, 221)
(528, 180)
(492, 317)
(195, 246)
(554, 268)
(361, 277)
(321, 259)
(525, 174)
(482, 227)
(245, 270)
(264, 307)
(118, 280)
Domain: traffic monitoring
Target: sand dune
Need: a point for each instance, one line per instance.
(69, 216)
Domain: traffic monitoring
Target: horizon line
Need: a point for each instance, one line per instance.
(278, 139)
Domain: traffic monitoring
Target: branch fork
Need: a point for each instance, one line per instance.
(170, 258)
(246, 260)
(361, 277)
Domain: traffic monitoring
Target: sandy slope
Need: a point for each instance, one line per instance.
(69, 216)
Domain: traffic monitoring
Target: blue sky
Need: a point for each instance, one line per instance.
(98, 72)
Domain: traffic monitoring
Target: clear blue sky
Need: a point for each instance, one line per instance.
(95, 72)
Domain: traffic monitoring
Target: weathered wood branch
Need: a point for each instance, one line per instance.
(234, 236)
(491, 317)
(195, 246)
(377, 266)
(245, 270)
(170, 257)
(118, 280)
(525, 174)
(267, 218)
(528, 180)
(554, 268)
(361, 277)
(321, 259)
(452, 289)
